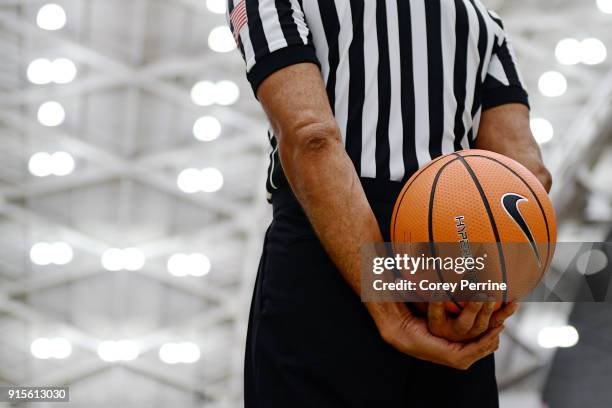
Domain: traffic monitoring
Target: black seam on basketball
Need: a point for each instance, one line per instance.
(487, 205)
(431, 199)
(430, 225)
(534, 196)
(398, 204)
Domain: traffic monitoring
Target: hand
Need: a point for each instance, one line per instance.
(474, 320)
(411, 336)
(471, 322)
(499, 317)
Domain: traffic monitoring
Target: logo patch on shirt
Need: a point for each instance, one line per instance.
(238, 18)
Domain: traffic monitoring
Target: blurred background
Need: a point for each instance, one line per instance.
(132, 200)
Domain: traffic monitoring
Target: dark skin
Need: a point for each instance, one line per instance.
(327, 186)
(505, 130)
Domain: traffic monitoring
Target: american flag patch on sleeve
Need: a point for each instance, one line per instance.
(238, 18)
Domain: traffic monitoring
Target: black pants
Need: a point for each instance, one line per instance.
(311, 343)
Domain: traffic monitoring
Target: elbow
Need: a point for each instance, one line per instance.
(308, 152)
(309, 140)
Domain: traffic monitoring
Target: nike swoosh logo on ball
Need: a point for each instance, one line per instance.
(510, 202)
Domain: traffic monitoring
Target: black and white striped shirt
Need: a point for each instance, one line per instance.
(407, 79)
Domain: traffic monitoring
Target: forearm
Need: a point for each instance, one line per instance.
(506, 130)
(324, 180)
(326, 185)
(320, 172)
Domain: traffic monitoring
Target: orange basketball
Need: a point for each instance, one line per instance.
(476, 197)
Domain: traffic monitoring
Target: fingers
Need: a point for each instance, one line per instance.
(414, 338)
(465, 321)
(484, 317)
(475, 351)
(498, 318)
(436, 316)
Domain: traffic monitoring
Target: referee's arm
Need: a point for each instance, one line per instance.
(504, 125)
(284, 74)
(324, 180)
(505, 130)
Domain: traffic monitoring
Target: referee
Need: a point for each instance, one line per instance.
(359, 95)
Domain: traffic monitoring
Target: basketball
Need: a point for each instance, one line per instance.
(479, 199)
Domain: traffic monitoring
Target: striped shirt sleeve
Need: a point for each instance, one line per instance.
(503, 83)
(271, 35)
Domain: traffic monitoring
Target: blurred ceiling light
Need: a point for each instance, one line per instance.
(175, 353)
(207, 180)
(40, 348)
(552, 84)
(43, 164)
(605, 6)
(51, 114)
(112, 259)
(207, 128)
(199, 265)
(63, 163)
(62, 253)
(593, 51)
(41, 253)
(58, 348)
(204, 93)
(227, 92)
(189, 352)
(122, 350)
(130, 259)
(39, 71)
(189, 181)
(212, 180)
(181, 265)
(63, 71)
(51, 17)
(128, 350)
(169, 354)
(217, 6)
(561, 336)
(57, 253)
(590, 51)
(221, 39)
(133, 259)
(542, 130)
(568, 51)
(61, 348)
(178, 265)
